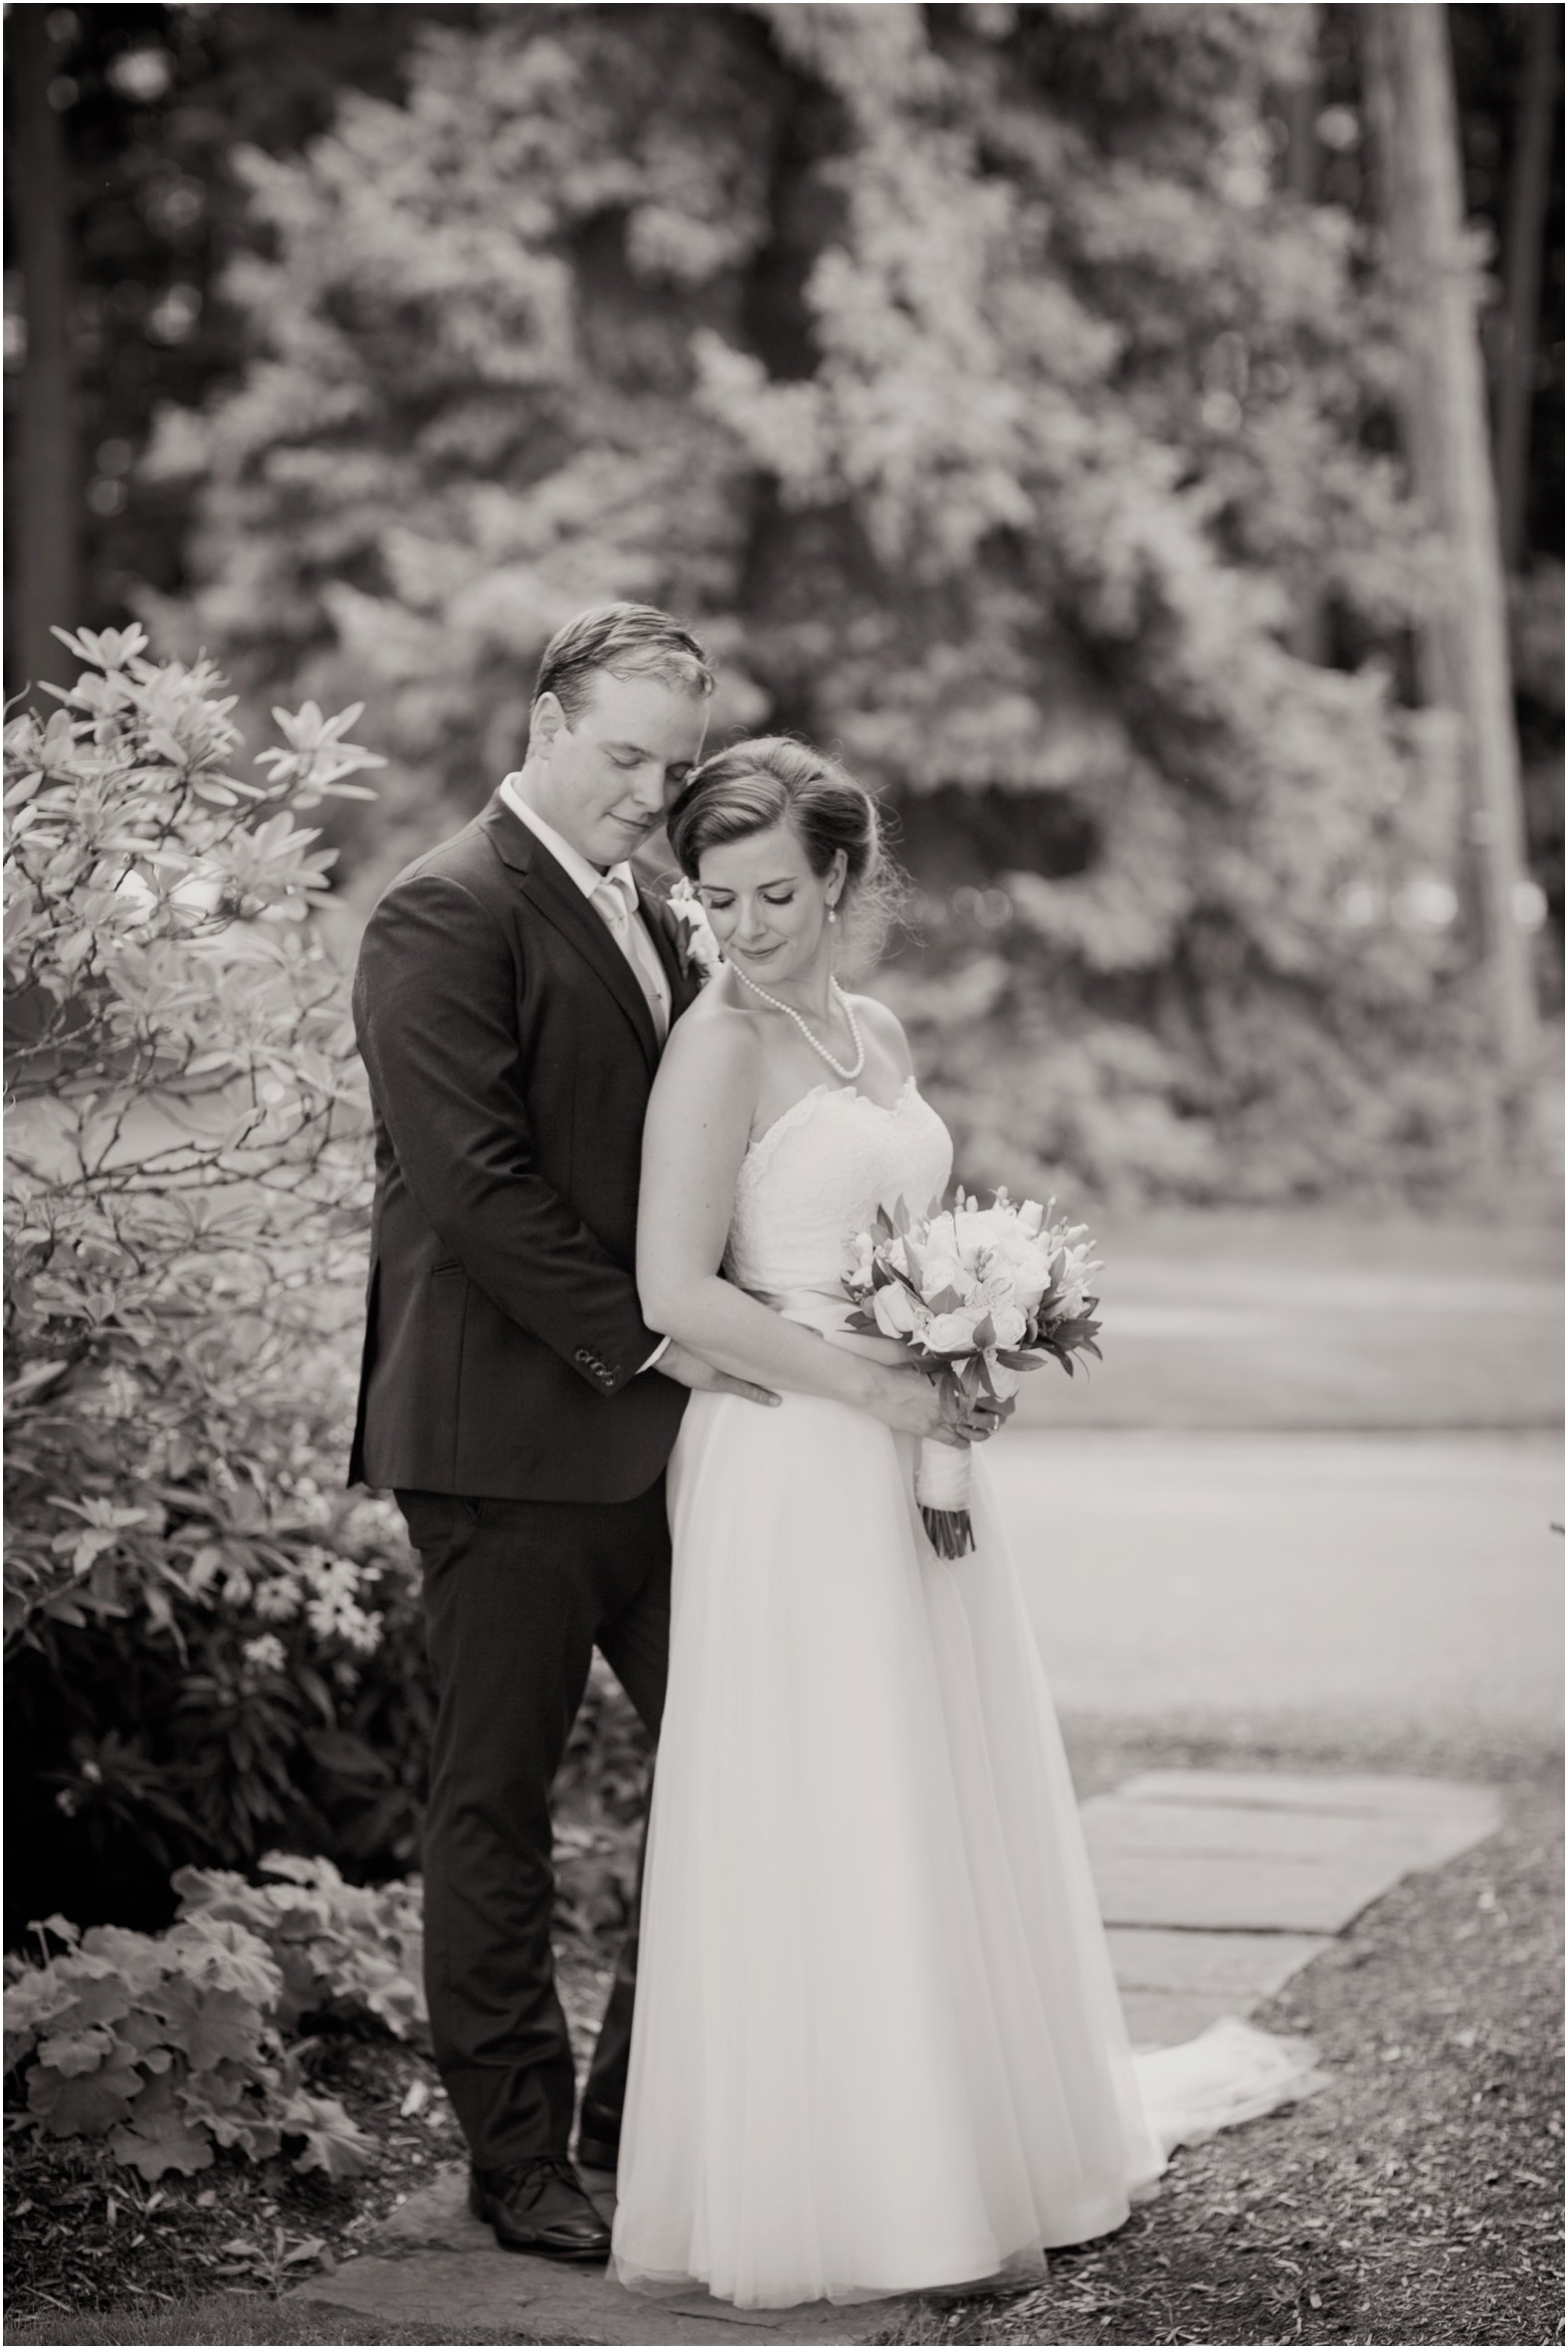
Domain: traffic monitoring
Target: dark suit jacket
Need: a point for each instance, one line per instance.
(510, 1053)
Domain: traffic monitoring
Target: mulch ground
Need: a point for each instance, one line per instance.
(1417, 2199)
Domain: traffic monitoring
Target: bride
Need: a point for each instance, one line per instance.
(878, 2043)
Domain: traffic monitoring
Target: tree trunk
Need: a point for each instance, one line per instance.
(1522, 276)
(47, 484)
(1410, 98)
(1300, 104)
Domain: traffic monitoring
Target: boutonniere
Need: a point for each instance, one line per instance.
(699, 951)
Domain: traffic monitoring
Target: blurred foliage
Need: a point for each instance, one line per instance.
(973, 380)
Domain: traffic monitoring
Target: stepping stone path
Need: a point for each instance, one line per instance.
(1216, 1887)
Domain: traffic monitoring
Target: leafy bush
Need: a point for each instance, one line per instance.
(338, 1948)
(599, 1804)
(169, 2046)
(189, 1606)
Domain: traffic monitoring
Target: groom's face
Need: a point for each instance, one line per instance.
(607, 775)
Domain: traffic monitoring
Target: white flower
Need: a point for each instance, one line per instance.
(277, 1599)
(896, 1312)
(266, 1652)
(953, 1333)
(981, 1228)
(940, 1237)
(941, 1272)
(1006, 1382)
(1009, 1324)
(698, 944)
(863, 1255)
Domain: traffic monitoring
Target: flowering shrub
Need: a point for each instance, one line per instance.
(168, 2045)
(190, 1608)
(211, 1649)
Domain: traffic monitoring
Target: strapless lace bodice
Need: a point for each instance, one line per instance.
(818, 1176)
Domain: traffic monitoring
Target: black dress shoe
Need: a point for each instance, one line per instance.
(540, 2205)
(597, 2139)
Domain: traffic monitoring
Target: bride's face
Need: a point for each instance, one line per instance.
(769, 910)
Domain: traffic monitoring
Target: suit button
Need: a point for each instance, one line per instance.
(582, 1355)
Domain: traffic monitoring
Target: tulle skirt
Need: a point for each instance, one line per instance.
(878, 2040)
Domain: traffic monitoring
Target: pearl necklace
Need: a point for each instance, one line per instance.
(790, 1013)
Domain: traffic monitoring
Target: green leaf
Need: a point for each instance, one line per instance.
(72, 2053)
(82, 2108)
(334, 2144)
(159, 2137)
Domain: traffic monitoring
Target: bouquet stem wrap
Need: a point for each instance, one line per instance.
(973, 1297)
(942, 1487)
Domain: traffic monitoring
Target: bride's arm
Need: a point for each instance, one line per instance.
(698, 1125)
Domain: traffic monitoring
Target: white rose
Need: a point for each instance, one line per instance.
(896, 1313)
(1030, 1218)
(1009, 1324)
(952, 1333)
(940, 1271)
(940, 1237)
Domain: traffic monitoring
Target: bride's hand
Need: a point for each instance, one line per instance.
(689, 1370)
(917, 1406)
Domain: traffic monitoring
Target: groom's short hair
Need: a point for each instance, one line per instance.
(622, 639)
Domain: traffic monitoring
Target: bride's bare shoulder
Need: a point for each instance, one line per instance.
(884, 1027)
(714, 1048)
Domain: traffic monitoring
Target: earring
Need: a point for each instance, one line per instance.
(833, 913)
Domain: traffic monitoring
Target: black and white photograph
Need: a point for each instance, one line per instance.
(783, 836)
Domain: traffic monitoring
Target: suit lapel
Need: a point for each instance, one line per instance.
(556, 895)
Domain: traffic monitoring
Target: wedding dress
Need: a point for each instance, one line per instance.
(877, 2042)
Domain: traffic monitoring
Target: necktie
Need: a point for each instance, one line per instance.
(614, 900)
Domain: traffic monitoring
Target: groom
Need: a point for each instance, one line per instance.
(513, 992)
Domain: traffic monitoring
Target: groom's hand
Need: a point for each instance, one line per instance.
(689, 1370)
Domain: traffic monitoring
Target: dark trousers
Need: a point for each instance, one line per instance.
(517, 1594)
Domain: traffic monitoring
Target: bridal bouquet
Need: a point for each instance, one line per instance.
(976, 1296)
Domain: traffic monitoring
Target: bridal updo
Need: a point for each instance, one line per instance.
(772, 780)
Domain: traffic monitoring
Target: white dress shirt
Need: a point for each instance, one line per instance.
(613, 896)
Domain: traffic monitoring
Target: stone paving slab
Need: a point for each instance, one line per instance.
(437, 2264)
(1234, 1967)
(1221, 1851)
(1446, 1804)
(1217, 1886)
(463, 2294)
